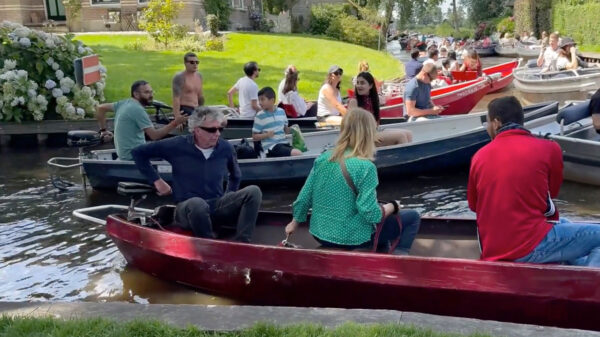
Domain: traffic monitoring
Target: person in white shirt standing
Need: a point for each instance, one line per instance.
(248, 91)
(549, 54)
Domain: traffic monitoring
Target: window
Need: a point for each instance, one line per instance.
(105, 2)
(143, 2)
(237, 4)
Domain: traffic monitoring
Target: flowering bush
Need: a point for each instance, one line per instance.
(36, 76)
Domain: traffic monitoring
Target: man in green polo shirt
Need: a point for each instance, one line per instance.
(132, 122)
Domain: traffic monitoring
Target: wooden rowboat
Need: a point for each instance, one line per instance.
(460, 98)
(442, 276)
(506, 50)
(438, 145)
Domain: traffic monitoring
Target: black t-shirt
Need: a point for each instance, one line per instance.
(595, 103)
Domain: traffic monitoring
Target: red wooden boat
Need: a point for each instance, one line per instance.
(460, 98)
(442, 276)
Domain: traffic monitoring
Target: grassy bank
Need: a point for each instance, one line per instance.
(312, 56)
(589, 48)
(21, 327)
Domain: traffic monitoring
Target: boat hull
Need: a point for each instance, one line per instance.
(464, 135)
(485, 52)
(268, 275)
(581, 156)
(506, 51)
(460, 98)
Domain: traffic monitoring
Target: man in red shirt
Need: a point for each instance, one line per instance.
(510, 184)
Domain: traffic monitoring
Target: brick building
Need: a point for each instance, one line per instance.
(102, 15)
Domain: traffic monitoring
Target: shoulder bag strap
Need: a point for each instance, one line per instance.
(347, 176)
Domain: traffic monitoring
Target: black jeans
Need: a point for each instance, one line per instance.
(389, 233)
(239, 208)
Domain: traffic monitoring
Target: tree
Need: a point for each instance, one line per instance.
(221, 9)
(482, 10)
(278, 6)
(158, 18)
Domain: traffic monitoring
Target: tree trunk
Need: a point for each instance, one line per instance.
(455, 19)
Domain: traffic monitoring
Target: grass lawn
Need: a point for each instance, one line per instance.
(21, 327)
(311, 55)
(589, 48)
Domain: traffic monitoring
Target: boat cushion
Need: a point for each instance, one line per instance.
(131, 189)
(574, 112)
(82, 138)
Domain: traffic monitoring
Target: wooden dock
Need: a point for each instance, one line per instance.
(47, 130)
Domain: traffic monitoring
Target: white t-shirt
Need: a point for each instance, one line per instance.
(206, 152)
(292, 97)
(324, 107)
(428, 61)
(248, 91)
(280, 91)
(562, 63)
(550, 57)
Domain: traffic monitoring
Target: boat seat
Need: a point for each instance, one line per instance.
(131, 189)
(462, 76)
(83, 138)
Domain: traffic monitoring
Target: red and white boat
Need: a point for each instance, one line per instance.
(460, 98)
(442, 276)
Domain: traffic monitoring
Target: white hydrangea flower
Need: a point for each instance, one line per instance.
(31, 93)
(56, 92)
(50, 84)
(67, 82)
(41, 99)
(15, 101)
(81, 50)
(21, 73)
(25, 42)
(70, 109)
(1, 105)
(38, 115)
(87, 90)
(65, 90)
(81, 112)
(10, 64)
(62, 100)
(22, 32)
(50, 61)
(21, 100)
(31, 85)
(59, 74)
(102, 69)
(55, 66)
(50, 43)
(99, 85)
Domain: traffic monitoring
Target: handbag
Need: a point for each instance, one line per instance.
(379, 226)
(243, 150)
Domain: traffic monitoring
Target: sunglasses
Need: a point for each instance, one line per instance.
(193, 62)
(212, 130)
(338, 73)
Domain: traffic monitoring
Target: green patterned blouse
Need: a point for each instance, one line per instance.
(338, 215)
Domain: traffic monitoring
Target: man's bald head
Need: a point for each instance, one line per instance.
(429, 70)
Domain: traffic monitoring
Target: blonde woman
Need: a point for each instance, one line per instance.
(329, 104)
(345, 212)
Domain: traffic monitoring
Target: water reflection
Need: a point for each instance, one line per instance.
(48, 255)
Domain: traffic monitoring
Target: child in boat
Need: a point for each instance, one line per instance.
(341, 190)
(271, 125)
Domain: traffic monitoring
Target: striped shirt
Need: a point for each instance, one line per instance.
(275, 121)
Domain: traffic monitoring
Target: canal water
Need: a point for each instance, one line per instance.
(46, 254)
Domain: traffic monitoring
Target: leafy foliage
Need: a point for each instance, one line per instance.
(585, 29)
(221, 9)
(506, 25)
(483, 10)
(212, 22)
(157, 20)
(277, 6)
(321, 16)
(36, 76)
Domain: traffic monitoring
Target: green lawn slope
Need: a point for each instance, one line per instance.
(273, 52)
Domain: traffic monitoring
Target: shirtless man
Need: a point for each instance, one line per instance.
(187, 87)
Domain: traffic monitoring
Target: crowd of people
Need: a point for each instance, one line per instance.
(516, 217)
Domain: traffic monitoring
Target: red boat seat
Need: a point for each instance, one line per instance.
(464, 75)
(350, 93)
(289, 109)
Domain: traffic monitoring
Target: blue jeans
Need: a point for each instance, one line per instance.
(389, 233)
(573, 243)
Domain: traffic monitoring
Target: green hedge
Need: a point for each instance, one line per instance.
(577, 19)
(337, 21)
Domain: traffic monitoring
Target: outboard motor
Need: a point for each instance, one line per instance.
(83, 138)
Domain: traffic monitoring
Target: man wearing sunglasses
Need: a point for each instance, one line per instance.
(248, 91)
(200, 164)
(187, 87)
(417, 94)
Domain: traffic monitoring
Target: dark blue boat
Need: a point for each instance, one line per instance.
(438, 145)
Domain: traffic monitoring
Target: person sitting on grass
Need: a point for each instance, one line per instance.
(271, 125)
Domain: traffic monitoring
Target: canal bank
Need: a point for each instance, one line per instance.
(232, 318)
